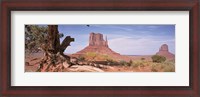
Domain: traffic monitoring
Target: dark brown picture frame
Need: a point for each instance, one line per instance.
(193, 90)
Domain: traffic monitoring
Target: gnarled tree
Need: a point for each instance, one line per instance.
(54, 59)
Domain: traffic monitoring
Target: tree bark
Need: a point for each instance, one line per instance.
(54, 41)
(54, 57)
(66, 42)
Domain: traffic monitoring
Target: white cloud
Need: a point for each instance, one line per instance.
(141, 46)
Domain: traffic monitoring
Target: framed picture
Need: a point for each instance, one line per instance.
(140, 48)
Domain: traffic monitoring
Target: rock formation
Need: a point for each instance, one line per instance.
(96, 39)
(164, 51)
(97, 44)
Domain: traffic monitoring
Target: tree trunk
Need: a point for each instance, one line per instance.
(54, 41)
(54, 58)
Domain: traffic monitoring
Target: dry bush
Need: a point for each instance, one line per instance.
(158, 58)
(165, 66)
(168, 66)
(93, 56)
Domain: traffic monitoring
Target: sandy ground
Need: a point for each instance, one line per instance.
(32, 63)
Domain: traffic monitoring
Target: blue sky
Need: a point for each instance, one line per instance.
(124, 39)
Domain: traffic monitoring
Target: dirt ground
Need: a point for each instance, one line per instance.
(32, 63)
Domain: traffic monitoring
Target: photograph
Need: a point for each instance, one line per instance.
(100, 47)
(108, 48)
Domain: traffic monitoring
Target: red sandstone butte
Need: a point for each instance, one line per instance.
(97, 44)
(164, 51)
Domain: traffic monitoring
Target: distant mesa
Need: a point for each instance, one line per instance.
(96, 39)
(164, 51)
(97, 44)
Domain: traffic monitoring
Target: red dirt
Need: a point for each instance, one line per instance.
(34, 59)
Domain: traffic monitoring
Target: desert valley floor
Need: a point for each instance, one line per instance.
(32, 64)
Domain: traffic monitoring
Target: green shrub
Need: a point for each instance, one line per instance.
(94, 56)
(137, 63)
(130, 62)
(158, 58)
(153, 67)
(111, 62)
(81, 58)
(104, 57)
(124, 63)
(91, 55)
(168, 66)
(169, 69)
